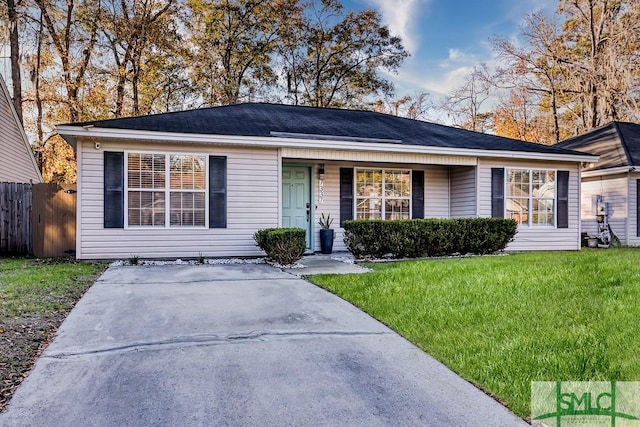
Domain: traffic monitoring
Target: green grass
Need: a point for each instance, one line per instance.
(504, 321)
(30, 286)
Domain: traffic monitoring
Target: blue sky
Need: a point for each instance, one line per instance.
(446, 38)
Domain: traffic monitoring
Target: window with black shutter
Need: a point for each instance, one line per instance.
(113, 189)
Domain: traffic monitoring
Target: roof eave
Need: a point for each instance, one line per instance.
(608, 171)
(23, 134)
(72, 133)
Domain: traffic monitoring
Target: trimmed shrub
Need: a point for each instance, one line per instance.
(282, 245)
(416, 238)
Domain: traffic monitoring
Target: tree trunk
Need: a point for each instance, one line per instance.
(15, 57)
(40, 132)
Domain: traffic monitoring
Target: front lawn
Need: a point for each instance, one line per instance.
(504, 321)
(35, 297)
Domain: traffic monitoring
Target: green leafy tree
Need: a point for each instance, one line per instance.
(233, 43)
(136, 31)
(334, 59)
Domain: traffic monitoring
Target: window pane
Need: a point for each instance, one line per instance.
(369, 183)
(518, 183)
(187, 209)
(396, 209)
(188, 172)
(200, 173)
(518, 209)
(368, 208)
(542, 212)
(397, 183)
(544, 184)
(145, 171)
(146, 208)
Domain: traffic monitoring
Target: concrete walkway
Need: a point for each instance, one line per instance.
(337, 263)
(242, 345)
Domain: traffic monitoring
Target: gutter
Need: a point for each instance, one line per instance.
(72, 133)
(610, 171)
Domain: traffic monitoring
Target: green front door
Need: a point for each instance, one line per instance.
(296, 199)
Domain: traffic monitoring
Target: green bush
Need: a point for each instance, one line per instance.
(282, 245)
(416, 238)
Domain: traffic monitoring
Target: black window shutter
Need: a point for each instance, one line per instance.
(417, 194)
(497, 192)
(638, 207)
(113, 189)
(217, 192)
(563, 199)
(346, 194)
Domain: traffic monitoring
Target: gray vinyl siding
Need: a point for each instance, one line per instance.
(463, 192)
(436, 192)
(614, 190)
(252, 204)
(633, 238)
(535, 238)
(18, 164)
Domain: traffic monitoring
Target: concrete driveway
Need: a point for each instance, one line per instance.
(241, 345)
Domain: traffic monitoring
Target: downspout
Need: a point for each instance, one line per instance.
(279, 187)
(629, 205)
(579, 205)
(79, 181)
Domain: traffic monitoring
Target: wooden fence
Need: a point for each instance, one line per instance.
(15, 218)
(54, 220)
(37, 219)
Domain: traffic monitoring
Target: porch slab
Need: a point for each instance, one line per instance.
(337, 263)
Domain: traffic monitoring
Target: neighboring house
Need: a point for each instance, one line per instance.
(614, 179)
(18, 163)
(201, 182)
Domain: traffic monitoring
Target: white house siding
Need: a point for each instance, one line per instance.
(378, 157)
(252, 204)
(615, 191)
(633, 238)
(463, 192)
(436, 193)
(534, 238)
(18, 164)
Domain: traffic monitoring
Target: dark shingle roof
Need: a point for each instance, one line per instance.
(260, 119)
(617, 144)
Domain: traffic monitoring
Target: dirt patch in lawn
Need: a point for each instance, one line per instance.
(35, 298)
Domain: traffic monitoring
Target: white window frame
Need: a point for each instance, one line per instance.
(383, 197)
(167, 191)
(529, 224)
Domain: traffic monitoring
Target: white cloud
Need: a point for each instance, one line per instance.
(457, 57)
(447, 82)
(454, 54)
(401, 16)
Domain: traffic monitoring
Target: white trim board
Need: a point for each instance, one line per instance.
(71, 133)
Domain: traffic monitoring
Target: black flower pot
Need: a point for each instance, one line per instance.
(326, 241)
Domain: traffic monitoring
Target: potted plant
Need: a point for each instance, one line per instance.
(326, 234)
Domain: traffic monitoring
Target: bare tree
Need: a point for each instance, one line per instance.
(416, 107)
(464, 105)
(534, 66)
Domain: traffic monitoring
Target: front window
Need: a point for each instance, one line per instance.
(531, 195)
(383, 194)
(166, 190)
